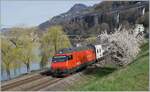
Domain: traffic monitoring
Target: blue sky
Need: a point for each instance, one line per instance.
(34, 12)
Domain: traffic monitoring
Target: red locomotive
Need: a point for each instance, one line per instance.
(70, 60)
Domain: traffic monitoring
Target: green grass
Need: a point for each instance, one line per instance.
(133, 77)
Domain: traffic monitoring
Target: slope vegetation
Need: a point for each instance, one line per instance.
(133, 77)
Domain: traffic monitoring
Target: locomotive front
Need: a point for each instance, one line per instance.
(59, 65)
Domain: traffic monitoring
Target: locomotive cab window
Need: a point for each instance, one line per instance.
(59, 58)
(62, 58)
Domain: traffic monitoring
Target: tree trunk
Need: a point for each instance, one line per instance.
(55, 47)
(2, 70)
(43, 61)
(19, 70)
(28, 67)
(8, 73)
(15, 72)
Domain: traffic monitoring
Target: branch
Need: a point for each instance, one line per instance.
(13, 42)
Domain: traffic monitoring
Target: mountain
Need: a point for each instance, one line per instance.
(81, 18)
(76, 10)
(4, 29)
(106, 15)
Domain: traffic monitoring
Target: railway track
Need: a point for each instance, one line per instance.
(30, 83)
(44, 84)
(20, 82)
(36, 83)
(41, 82)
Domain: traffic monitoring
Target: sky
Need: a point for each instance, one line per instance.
(34, 12)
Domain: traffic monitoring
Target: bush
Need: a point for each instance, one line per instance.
(123, 46)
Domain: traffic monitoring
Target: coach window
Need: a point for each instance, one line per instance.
(97, 50)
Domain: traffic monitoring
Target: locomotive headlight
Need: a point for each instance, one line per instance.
(78, 63)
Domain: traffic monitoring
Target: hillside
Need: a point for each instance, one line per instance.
(75, 10)
(80, 14)
(107, 15)
(134, 77)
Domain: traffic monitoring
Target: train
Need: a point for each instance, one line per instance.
(70, 60)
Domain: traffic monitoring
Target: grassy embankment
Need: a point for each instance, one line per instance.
(133, 77)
